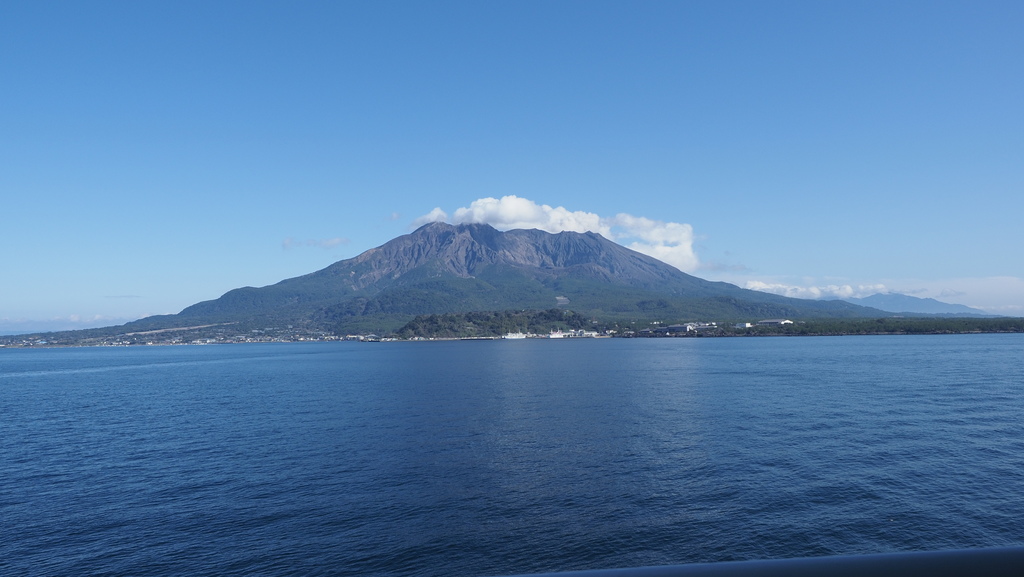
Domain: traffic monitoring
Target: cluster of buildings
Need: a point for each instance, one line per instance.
(193, 336)
(569, 334)
(764, 323)
(182, 336)
(700, 328)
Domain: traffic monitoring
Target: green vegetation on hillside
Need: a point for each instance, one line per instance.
(498, 323)
(494, 324)
(890, 326)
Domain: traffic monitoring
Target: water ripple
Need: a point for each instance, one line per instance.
(440, 459)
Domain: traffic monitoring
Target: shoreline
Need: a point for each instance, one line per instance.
(40, 343)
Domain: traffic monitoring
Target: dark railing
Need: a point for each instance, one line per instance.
(1000, 562)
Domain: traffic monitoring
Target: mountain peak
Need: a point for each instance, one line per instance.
(443, 267)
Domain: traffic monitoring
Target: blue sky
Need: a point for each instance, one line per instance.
(153, 155)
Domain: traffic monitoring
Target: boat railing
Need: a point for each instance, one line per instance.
(994, 562)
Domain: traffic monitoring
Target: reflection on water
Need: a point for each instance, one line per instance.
(468, 458)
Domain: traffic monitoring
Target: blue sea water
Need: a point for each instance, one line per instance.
(498, 457)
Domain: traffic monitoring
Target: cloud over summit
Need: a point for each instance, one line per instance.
(669, 242)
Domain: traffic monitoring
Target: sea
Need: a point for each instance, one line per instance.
(476, 458)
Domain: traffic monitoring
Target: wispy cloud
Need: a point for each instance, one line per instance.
(324, 243)
(997, 295)
(670, 242)
(817, 292)
(673, 243)
(436, 215)
(9, 326)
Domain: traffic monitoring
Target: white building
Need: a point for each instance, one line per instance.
(775, 322)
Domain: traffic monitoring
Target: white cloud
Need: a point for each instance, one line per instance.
(436, 215)
(817, 292)
(996, 295)
(1002, 295)
(511, 212)
(670, 242)
(9, 326)
(324, 243)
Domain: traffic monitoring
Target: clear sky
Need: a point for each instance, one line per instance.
(157, 154)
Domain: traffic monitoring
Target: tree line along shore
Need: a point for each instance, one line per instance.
(496, 324)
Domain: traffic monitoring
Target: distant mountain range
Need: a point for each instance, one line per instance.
(900, 303)
(443, 268)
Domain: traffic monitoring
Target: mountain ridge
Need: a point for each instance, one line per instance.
(901, 303)
(444, 268)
